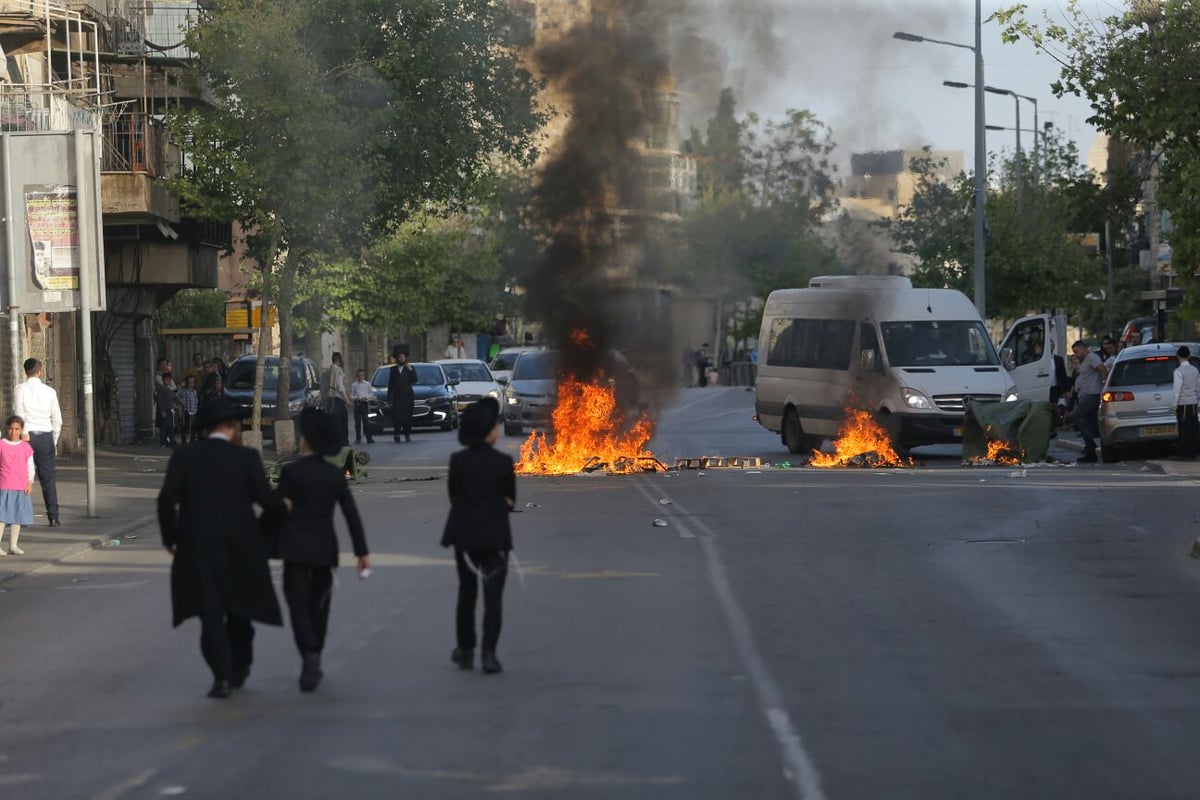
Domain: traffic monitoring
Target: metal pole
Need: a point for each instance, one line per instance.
(1037, 165)
(10, 245)
(87, 177)
(980, 170)
(1017, 106)
(1108, 263)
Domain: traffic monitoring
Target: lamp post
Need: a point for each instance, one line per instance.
(1036, 130)
(980, 153)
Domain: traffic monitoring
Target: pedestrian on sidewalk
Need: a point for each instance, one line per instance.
(37, 404)
(1185, 397)
(164, 401)
(220, 571)
(1089, 384)
(309, 544)
(361, 394)
(16, 483)
(189, 402)
(483, 491)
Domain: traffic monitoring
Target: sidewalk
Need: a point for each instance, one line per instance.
(1070, 440)
(127, 483)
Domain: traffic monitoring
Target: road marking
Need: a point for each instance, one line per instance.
(708, 396)
(122, 788)
(798, 765)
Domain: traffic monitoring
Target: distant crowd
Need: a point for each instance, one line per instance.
(179, 398)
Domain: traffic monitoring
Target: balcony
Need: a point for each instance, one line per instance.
(137, 153)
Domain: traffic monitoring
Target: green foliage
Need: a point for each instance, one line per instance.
(764, 187)
(192, 308)
(1034, 255)
(1138, 71)
(434, 267)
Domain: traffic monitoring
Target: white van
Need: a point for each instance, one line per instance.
(913, 357)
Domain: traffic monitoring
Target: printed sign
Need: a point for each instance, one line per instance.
(52, 215)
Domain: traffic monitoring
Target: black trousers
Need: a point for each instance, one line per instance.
(1189, 432)
(490, 569)
(1086, 418)
(309, 592)
(401, 423)
(227, 642)
(360, 420)
(341, 420)
(43, 460)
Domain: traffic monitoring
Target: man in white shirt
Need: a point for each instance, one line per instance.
(337, 400)
(37, 404)
(361, 394)
(1185, 397)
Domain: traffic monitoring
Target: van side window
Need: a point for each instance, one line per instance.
(811, 343)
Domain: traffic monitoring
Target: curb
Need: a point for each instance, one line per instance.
(89, 544)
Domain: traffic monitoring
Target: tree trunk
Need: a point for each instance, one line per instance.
(264, 329)
(284, 302)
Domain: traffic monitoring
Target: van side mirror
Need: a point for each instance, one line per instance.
(502, 380)
(866, 360)
(1006, 358)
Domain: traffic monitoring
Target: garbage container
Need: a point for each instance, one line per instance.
(1023, 426)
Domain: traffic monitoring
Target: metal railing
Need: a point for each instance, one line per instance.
(42, 108)
(138, 142)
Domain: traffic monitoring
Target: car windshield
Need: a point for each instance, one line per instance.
(504, 360)
(469, 372)
(1148, 371)
(241, 375)
(536, 367)
(427, 375)
(938, 343)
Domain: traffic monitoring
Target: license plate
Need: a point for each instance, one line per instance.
(1159, 430)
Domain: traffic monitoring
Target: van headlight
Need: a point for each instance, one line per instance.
(1011, 395)
(915, 399)
(493, 393)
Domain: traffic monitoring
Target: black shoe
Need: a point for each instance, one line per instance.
(359, 441)
(490, 664)
(407, 438)
(220, 690)
(238, 679)
(464, 658)
(54, 523)
(395, 438)
(310, 674)
(370, 441)
(1090, 458)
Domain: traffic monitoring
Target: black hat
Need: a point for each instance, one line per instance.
(216, 411)
(477, 421)
(320, 431)
(398, 349)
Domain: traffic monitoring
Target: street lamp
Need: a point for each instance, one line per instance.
(980, 152)
(1017, 98)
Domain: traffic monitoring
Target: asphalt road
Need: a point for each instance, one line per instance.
(791, 633)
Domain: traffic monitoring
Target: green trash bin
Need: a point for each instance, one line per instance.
(1023, 426)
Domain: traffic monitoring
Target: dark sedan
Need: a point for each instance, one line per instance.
(433, 400)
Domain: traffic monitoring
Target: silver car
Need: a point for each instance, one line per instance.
(532, 392)
(1135, 407)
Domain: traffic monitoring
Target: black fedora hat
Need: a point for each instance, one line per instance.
(216, 411)
(477, 421)
(319, 429)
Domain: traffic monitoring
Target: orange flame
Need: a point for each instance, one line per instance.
(861, 442)
(997, 453)
(586, 427)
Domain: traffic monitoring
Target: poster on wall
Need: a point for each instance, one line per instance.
(52, 216)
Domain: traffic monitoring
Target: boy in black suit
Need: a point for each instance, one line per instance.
(309, 545)
(483, 490)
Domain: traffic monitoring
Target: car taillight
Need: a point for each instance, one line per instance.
(1117, 397)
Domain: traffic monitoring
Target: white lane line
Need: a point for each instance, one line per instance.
(684, 533)
(798, 766)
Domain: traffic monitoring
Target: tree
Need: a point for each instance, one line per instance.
(192, 308)
(1138, 71)
(333, 119)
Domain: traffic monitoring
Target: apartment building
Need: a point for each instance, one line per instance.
(112, 66)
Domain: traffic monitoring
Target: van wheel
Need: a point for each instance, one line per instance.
(793, 434)
(892, 426)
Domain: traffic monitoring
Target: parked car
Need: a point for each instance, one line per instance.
(475, 380)
(1135, 407)
(502, 364)
(532, 391)
(434, 400)
(304, 387)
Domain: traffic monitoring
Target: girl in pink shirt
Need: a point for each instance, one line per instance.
(16, 483)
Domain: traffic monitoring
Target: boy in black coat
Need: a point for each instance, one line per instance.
(483, 490)
(309, 545)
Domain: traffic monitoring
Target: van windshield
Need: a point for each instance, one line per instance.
(938, 343)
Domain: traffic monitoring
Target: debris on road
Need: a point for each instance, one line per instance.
(532, 505)
(666, 501)
(660, 523)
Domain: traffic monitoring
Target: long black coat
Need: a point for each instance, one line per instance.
(206, 512)
(481, 478)
(316, 487)
(400, 393)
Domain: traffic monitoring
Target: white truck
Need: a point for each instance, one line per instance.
(912, 357)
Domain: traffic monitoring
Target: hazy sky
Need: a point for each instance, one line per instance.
(838, 58)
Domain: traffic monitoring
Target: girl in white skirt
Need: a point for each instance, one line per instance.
(16, 483)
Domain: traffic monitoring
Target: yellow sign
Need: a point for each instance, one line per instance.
(239, 317)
